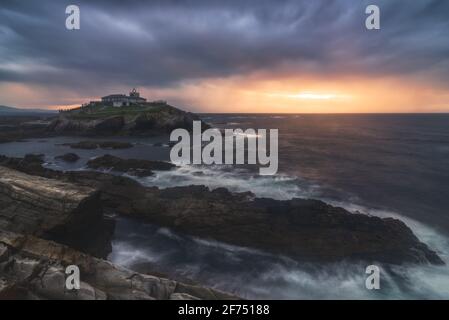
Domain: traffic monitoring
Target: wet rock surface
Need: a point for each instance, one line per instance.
(306, 230)
(68, 157)
(33, 268)
(52, 209)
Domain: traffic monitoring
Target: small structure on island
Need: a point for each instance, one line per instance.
(122, 100)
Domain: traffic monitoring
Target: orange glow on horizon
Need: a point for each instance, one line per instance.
(265, 94)
(309, 95)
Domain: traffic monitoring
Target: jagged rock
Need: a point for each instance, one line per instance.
(52, 209)
(36, 270)
(109, 125)
(68, 157)
(137, 167)
(307, 230)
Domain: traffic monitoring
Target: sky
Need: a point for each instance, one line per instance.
(246, 56)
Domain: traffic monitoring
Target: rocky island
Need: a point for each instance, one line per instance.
(143, 119)
(113, 115)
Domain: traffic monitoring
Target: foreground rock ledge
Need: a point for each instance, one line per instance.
(33, 268)
(52, 209)
(306, 230)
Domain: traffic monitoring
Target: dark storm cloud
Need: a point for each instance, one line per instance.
(160, 43)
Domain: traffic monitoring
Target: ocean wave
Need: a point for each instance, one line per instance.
(280, 187)
(281, 279)
(265, 276)
(257, 275)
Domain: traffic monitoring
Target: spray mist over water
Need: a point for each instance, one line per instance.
(254, 274)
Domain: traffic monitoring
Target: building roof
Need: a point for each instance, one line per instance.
(115, 96)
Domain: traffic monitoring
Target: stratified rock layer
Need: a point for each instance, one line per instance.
(33, 268)
(52, 209)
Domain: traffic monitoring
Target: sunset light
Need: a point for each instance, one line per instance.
(249, 151)
(309, 96)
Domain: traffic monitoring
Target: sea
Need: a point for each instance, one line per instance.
(387, 165)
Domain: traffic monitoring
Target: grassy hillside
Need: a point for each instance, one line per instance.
(100, 111)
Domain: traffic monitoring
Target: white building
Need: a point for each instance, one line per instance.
(122, 100)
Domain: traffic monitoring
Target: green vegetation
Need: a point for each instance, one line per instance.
(100, 111)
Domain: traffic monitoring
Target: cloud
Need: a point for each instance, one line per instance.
(159, 44)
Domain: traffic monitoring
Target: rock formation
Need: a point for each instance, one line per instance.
(33, 268)
(68, 157)
(144, 120)
(308, 230)
(303, 229)
(54, 209)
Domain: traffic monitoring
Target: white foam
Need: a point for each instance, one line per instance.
(278, 187)
(336, 281)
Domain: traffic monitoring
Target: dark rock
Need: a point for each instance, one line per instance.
(68, 157)
(33, 268)
(110, 125)
(307, 230)
(136, 167)
(57, 210)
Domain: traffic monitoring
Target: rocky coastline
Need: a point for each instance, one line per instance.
(50, 219)
(32, 268)
(306, 230)
(102, 121)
